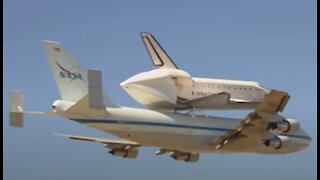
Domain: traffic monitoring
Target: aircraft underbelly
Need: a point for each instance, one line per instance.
(189, 140)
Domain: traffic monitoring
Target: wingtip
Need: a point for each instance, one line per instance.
(58, 134)
(50, 42)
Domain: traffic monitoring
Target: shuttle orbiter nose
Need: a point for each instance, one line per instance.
(125, 83)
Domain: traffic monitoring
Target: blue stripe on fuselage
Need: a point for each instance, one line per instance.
(149, 124)
(104, 121)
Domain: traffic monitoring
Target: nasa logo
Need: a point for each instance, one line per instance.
(66, 74)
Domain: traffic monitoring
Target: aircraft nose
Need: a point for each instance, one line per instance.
(308, 139)
(124, 84)
(137, 79)
(127, 83)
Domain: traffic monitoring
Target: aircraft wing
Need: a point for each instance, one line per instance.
(217, 101)
(110, 143)
(253, 128)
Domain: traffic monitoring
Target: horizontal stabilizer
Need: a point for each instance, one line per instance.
(16, 109)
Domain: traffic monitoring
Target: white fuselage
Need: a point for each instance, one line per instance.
(165, 88)
(180, 131)
(247, 91)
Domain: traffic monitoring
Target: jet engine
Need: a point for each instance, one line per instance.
(187, 157)
(286, 126)
(131, 153)
(277, 142)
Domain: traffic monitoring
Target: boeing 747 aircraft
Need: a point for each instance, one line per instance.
(169, 88)
(182, 136)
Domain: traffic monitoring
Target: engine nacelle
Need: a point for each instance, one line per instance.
(294, 125)
(131, 154)
(286, 126)
(277, 142)
(187, 157)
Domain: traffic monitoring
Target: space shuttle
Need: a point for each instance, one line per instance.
(169, 88)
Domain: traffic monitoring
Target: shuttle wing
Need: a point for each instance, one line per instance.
(208, 101)
(238, 100)
(159, 57)
(255, 126)
(216, 101)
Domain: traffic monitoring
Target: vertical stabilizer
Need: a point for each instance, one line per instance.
(70, 77)
(159, 57)
(16, 109)
(96, 99)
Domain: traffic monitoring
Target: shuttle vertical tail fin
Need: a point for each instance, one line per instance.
(159, 57)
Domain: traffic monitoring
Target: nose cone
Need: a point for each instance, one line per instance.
(125, 84)
(305, 141)
(309, 138)
(130, 83)
(136, 79)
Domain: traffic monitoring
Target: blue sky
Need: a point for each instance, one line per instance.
(271, 42)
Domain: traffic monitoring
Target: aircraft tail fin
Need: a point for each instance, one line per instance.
(70, 77)
(159, 57)
(16, 109)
